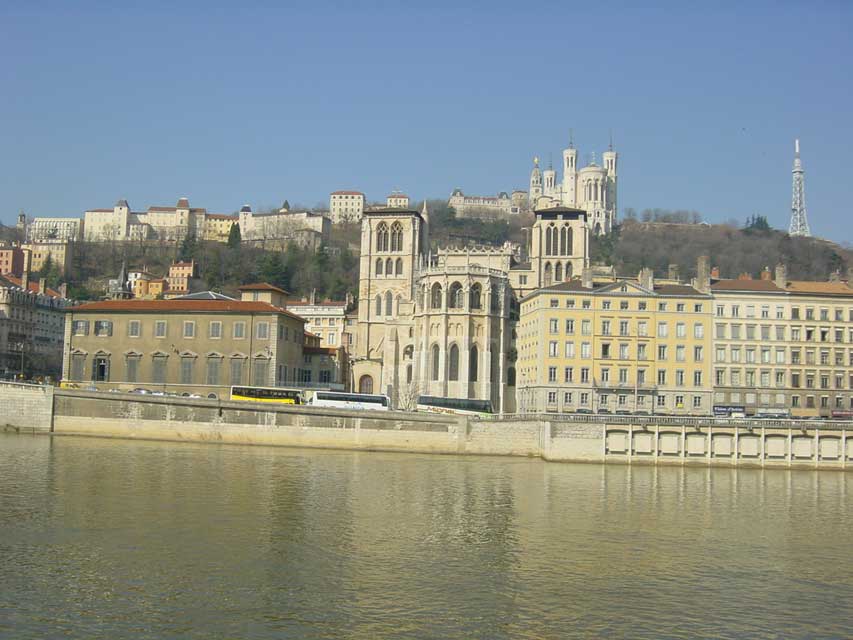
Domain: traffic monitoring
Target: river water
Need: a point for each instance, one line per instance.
(113, 539)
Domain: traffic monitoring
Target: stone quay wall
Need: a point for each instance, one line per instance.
(558, 438)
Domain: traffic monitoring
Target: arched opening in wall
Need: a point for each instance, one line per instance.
(598, 228)
(382, 237)
(378, 266)
(548, 232)
(546, 276)
(435, 296)
(408, 374)
(558, 272)
(399, 267)
(389, 267)
(435, 362)
(476, 296)
(563, 240)
(389, 304)
(453, 366)
(378, 304)
(396, 237)
(510, 377)
(454, 296)
(569, 271)
(397, 301)
(365, 384)
(473, 361)
(408, 352)
(570, 242)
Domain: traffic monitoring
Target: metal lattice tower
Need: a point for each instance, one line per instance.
(799, 222)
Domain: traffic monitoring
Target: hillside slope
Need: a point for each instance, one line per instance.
(635, 245)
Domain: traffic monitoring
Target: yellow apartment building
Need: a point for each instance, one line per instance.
(615, 346)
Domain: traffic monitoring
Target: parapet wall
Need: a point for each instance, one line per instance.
(621, 439)
(26, 407)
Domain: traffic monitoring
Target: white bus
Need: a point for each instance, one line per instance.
(462, 406)
(340, 400)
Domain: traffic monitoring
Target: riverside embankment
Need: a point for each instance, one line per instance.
(558, 438)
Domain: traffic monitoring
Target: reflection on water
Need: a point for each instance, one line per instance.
(107, 539)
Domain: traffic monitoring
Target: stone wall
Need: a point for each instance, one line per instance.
(26, 407)
(570, 438)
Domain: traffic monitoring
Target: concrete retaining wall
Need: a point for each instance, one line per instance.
(653, 440)
(26, 407)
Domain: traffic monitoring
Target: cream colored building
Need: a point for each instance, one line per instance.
(61, 254)
(198, 346)
(346, 206)
(325, 319)
(54, 230)
(784, 346)
(217, 226)
(279, 228)
(397, 200)
(501, 206)
(615, 346)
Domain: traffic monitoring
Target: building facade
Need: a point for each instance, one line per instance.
(54, 230)
(182, 346)
(31, 327)
(13, 260)
(325, 319)
(61, 255)
(783, 346)
(615, 346)
(277, 229)
(501, 206)
(397, 200)
(346, 206)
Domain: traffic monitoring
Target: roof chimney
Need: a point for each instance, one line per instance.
(672, 272)
(43, 286)
(765, 274)
(715, 273)
(703, 274)
(646, 278)
(586, 278)
(781, 276)
(744, 276)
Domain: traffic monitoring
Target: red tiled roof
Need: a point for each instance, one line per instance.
(827, 288)
(32, 285)
(185, 306)
(320, 350)
(262, 286)
(398, 195)
(347, 193)
(767, 286)
(676, 290)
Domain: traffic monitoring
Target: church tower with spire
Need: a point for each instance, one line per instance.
(570, 173)
(535, 184)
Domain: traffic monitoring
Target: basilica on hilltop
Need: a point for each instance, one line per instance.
(592, 188)
(442, 322)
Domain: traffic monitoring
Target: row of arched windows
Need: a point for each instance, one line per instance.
(389, 240)
(453, 363)
(389, 267)
(388, 298)
(558, 241)
(556, 273)
(456, 297)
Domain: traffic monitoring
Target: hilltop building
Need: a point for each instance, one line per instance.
(54, 230)
(397, 200)
(277, 229)
(477, 206)
(591, 188)
(346, 206)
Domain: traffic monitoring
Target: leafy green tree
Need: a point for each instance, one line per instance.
(234, 236)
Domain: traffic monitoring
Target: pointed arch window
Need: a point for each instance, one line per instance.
(548, 232)
(453, 373)
(389, 267)
(435, 363)
(547, 274)
(378, 266)
(568, 274)
(389, 304)
(435, 296)
(558, 272)
(476, 297)
(399, 267)
(569, 241)
(473, 361)
(382, 237)
(396, 237)
(378, 305)
(454, 297)
(563, 246)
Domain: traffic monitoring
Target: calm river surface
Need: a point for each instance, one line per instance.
(114, 539)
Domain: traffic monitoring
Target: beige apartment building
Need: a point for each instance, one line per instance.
(615, 346)
(397, 200)
(783, 346)
(346, 206)
(198, 346)
(325, 319)
(61, 254)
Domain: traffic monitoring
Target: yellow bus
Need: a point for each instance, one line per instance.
(268, 394)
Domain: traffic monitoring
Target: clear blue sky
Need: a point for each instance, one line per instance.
(256, 104)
